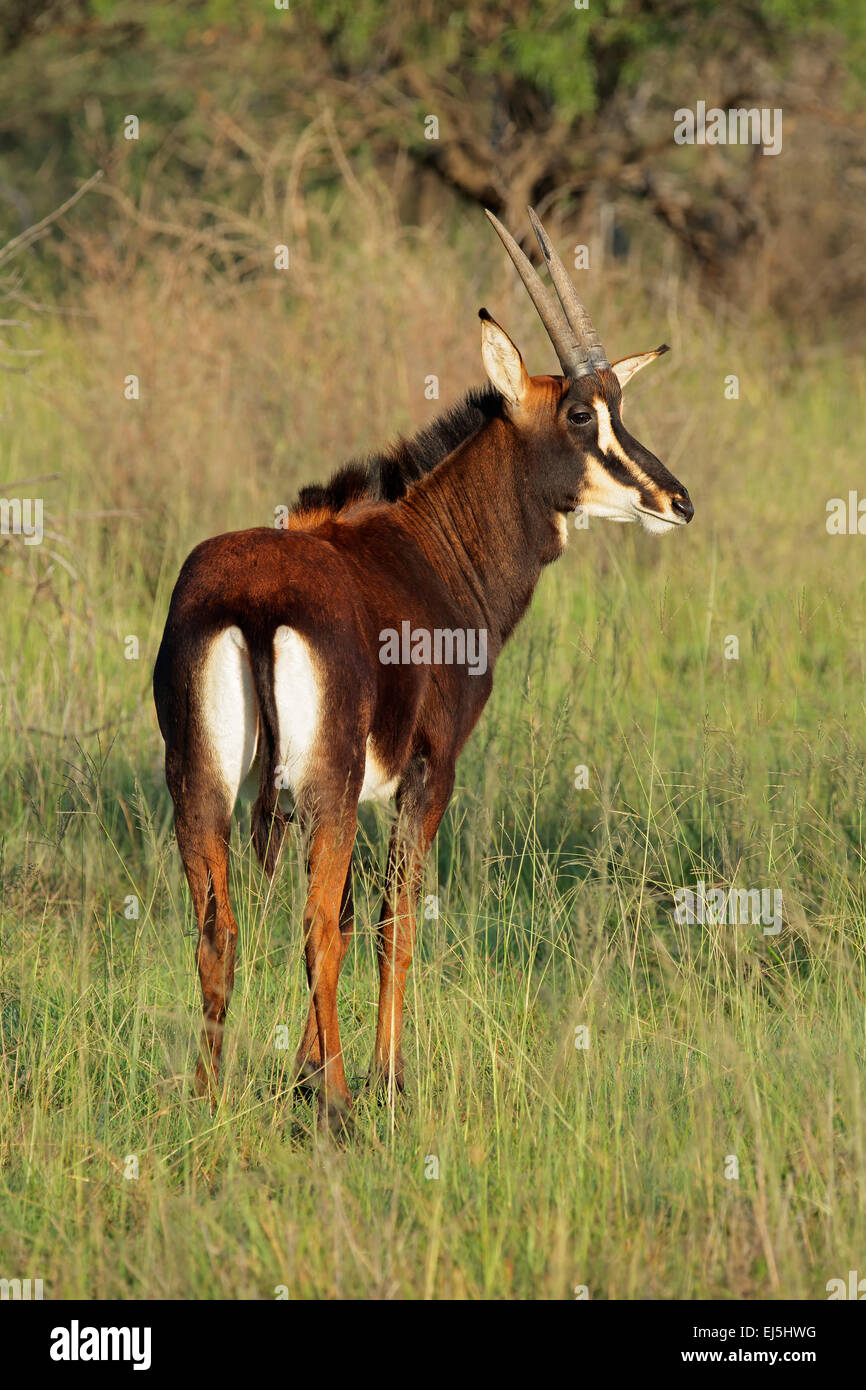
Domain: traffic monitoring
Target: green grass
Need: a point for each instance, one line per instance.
(557, 1166)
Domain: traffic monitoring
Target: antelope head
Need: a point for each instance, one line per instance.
(587, 457)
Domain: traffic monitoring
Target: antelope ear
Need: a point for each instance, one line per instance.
(502, 362)
(626, 367)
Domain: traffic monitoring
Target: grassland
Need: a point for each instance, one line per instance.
(558, 1166)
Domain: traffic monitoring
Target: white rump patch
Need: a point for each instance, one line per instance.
(230, 711)
(299, 706)
(298, 700)
(231, 718)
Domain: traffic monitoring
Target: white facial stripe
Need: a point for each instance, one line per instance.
(609, 444)
(607, 440)
(604, 496)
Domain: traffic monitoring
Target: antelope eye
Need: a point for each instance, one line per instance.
(579, 417)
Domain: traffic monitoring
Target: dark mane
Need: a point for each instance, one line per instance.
(387, 476)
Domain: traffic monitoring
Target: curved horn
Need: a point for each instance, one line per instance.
(569, 298)
(573, 358)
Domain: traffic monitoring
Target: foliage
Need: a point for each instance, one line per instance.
(537, 102)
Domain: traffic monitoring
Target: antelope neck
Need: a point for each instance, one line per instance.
(477, 522)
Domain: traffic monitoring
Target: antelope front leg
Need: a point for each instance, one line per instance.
(308, 1063)
(330, 860)
(421, 802)
(395, 947)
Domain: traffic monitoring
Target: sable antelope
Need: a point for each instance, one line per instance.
(272, 666)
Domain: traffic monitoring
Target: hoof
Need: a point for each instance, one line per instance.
(308, 1079)
(206, 1086)
(335, 1115)
(386, 1086)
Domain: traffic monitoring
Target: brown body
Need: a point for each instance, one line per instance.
(446, 533)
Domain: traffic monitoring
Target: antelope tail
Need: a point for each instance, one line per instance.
(268, 820)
